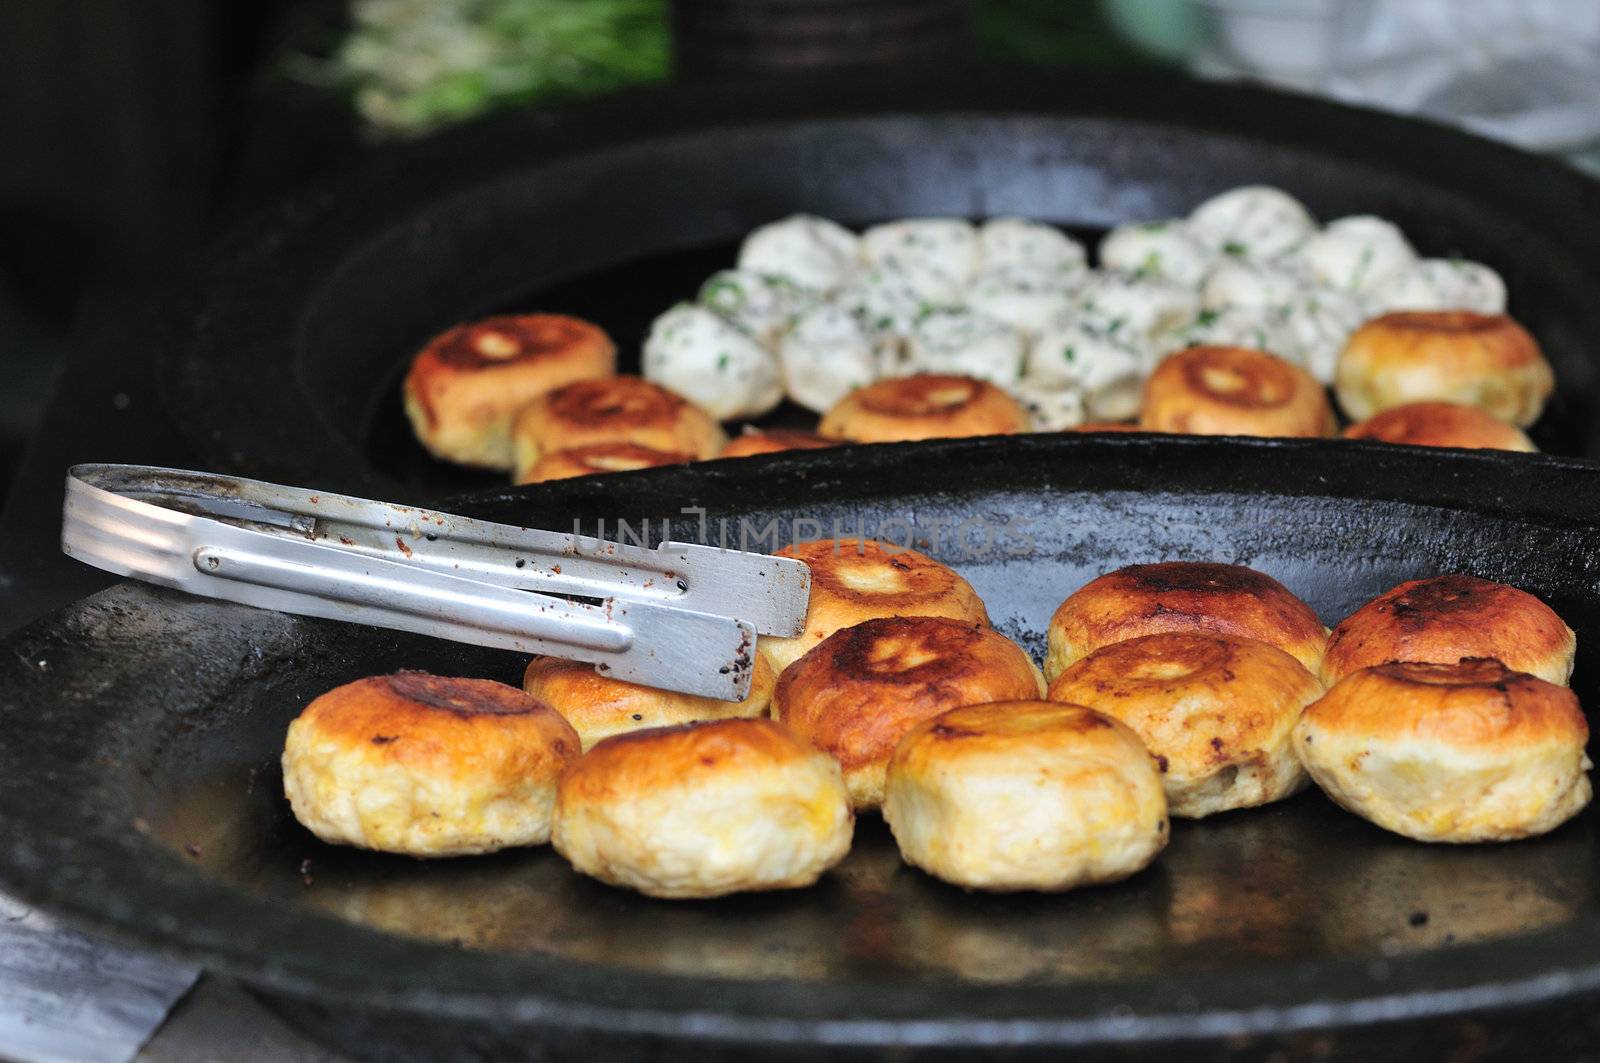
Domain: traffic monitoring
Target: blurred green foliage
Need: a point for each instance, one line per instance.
(410, 66)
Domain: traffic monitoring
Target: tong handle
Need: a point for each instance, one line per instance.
(268, 561)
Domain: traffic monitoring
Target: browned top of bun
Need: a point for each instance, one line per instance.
(859, 690)
(1237, 376)
(1234, 390)
(1440, 424)
(508, 338)
(444, 723)
(1494, 340)
(1190, 596)
(864, 571)
(594, 458)
(668, 758)
(1445, 618)
(927, 406)
(1245, 694)
(612, 401)
(600, 705)
(920, 396)
(501, 343)
(1475, 703)
(773, 440)
(1002, 725)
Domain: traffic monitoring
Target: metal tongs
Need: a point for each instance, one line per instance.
(679, 616)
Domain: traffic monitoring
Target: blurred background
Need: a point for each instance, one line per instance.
(128, 132)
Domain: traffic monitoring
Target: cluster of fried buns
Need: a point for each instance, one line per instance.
(1438, 710)
(538, 395)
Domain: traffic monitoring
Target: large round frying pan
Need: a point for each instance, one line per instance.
(140, 794)
(284, 359)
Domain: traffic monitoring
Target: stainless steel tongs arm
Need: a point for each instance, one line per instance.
(319, 554)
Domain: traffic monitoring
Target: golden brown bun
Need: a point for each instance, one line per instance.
(864, 687)
(1216, 711)
(466, 384)
(598, 706)
(1183, 596)
(772, 441)
(1483, 360)
(923, 407)
(1446, 618)
(703, 810)
(1441, 424)
(426, 765)
(1464, 752)
(858, 579)
(618, 409)
(1234, 391)
(1025, 795)
(595, 459)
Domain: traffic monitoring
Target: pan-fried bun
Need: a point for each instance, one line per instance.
(858, 579)
(595, 459)
(1483, 360)
(772, 441)
(1464, 752)
(1441, 424)
(1445, 618)
(1234, 391)
(467, 383)
(862, 688)
(426, 765)
(1025, 795)
(1216, 711)
(598, 706)
(1183, 596)
(618, 409)
(928, 406)
(704, 810)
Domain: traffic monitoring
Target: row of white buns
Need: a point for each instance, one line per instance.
(813, 310)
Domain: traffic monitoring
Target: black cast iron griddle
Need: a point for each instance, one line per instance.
(140, 794)
(284, 359)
